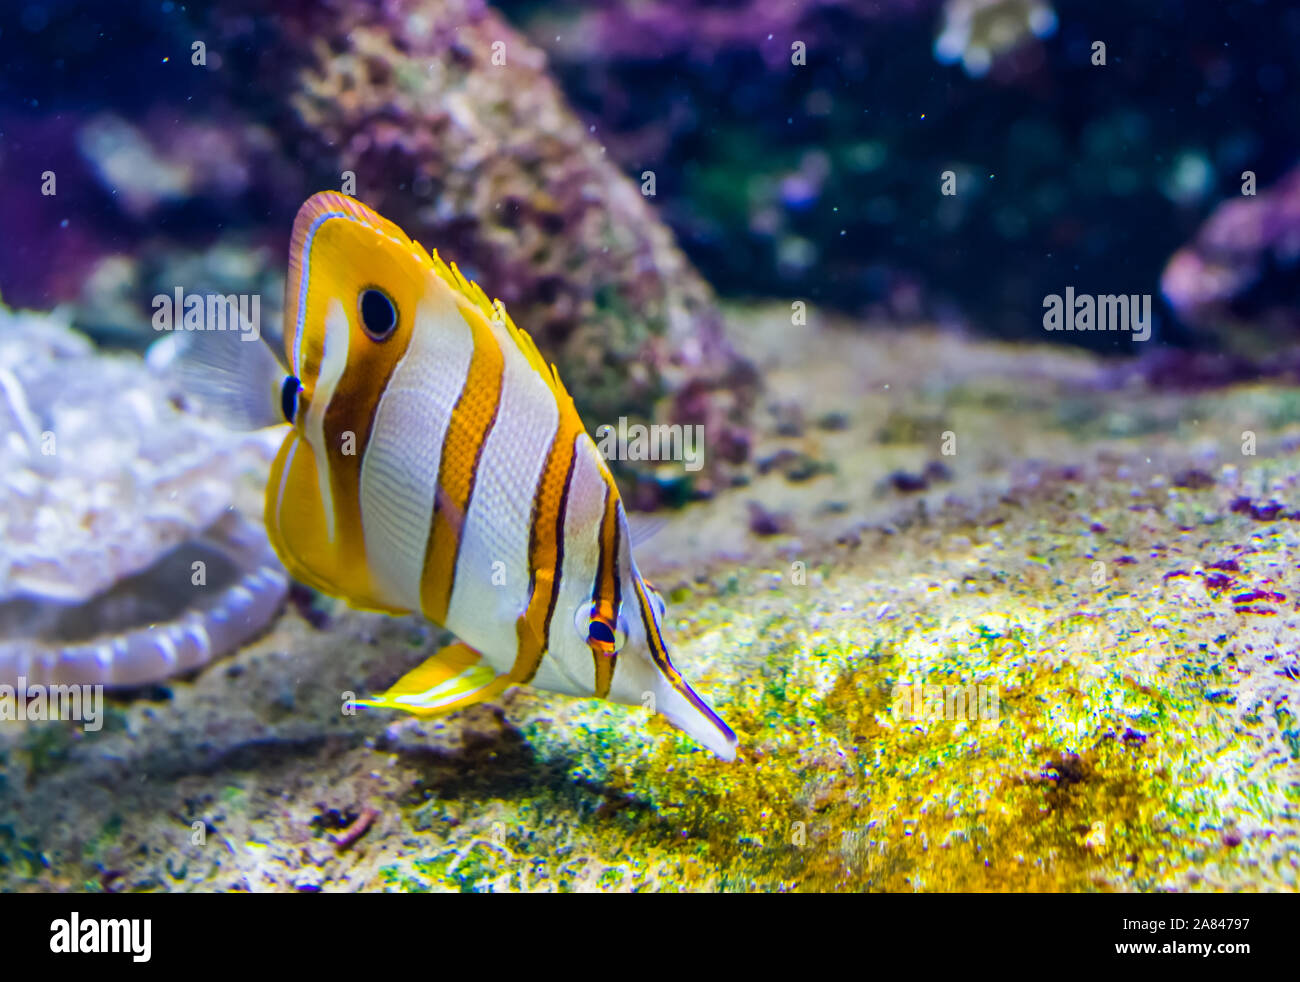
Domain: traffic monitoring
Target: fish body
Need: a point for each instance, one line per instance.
(435, 464)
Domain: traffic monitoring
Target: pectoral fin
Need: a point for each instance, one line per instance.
(456, 677)
(300, 522)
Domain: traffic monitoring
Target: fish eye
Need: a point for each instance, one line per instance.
(289, 397)
(378, 313)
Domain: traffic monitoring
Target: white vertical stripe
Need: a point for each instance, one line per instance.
(498, 520)
(333, 362)
(399, 470)
(284, 479)
(568, 666)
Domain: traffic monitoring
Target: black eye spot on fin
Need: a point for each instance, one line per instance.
(378, 313)
(289, 397)
(601, 632)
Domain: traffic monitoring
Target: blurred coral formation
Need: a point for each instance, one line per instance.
(103, 478)
(523, 151)
(435, 112)
(823, 179)
(1238, 276)
(979, 33)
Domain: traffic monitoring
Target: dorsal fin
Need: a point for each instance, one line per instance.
(495, 312)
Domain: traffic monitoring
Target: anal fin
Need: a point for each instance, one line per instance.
(456, 677)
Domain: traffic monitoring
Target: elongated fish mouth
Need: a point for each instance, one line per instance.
(692, 716)
(719, 738)
(153, 625)
(680, 704)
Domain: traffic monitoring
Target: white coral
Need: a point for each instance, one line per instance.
(100, 474)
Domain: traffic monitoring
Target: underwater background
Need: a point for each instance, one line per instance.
(991, 604)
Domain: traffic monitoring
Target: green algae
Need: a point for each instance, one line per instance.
(1086, 779)
(21, 855)
(46, 749)
(933, 807)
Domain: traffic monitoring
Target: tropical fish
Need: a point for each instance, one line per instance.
(435, 464)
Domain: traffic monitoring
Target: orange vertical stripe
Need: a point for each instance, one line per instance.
(471, 421)
(546, 547)
(607, 588)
